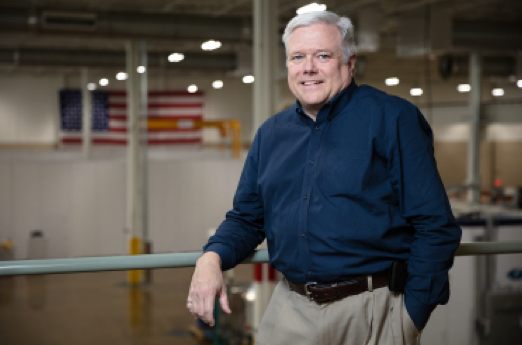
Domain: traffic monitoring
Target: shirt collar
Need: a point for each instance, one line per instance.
(335, 105)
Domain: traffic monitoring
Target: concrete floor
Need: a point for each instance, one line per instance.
(97, 308)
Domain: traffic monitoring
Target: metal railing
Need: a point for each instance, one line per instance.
(151, 261)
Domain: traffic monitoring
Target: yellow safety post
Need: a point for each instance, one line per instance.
(235, 125)
(135, 249)
(135, 303)
(7, 245)
(7, 248)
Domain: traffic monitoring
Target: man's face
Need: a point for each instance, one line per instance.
(316, 71)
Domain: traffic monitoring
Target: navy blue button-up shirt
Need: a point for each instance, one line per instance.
(344, 196)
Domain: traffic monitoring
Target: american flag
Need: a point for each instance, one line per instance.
(109, 117)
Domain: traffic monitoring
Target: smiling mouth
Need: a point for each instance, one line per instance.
(306, 83)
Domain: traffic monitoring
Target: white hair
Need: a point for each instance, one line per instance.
(344, 25)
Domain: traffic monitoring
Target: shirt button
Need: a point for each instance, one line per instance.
(303, 234)
(316, 128)
(305, 197)
(311, 162)
(309, 272)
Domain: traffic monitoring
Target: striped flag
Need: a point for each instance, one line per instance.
(109, 117)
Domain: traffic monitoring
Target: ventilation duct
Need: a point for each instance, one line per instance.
(432, 30)
(369, 19)
(126, 25)
(69, 21)
(425, 30)
(492, 66)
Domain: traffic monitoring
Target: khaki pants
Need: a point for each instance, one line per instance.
(377, 318)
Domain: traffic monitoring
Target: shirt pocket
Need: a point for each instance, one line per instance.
(344, 171)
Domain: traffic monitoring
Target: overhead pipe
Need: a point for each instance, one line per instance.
(177, 260)
(104, 58)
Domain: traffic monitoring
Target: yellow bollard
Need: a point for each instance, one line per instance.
(235, 125)
(135, 249)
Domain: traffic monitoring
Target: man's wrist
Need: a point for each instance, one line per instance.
(210, 258)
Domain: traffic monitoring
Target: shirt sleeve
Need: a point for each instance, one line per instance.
(423, 202)
(243, 228)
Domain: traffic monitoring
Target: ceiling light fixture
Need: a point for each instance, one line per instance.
(248, 79)
(217, 84)
(392, 81)
(497, 92)
(210, 45)
(91, 86)
(416, 91)
(141, 69)
(104, 82)
(464, 88)
(176, 57)
(519, 83)
(192, 88)
(122, 76)
(311, 8)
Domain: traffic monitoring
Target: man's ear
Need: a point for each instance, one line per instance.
(351, 61)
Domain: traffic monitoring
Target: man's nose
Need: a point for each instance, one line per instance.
(309, 65)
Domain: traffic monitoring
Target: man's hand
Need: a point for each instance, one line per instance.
(207, 283)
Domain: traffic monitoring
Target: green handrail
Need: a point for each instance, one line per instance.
(151, 261)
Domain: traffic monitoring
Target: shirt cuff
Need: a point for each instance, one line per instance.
(419, 312)
(224, 252)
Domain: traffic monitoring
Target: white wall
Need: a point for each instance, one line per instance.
(80, 205)
(459, 132)
(29, 109)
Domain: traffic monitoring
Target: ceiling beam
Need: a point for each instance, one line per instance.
(230, 7)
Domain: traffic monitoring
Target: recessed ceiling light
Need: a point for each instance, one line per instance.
(122, 76)
(104, 82)
(519, 83)
(210, 45)
(91, 86)
(192, 88)
(416, 91)
(311, 8)
(463, 88)
(176, 57)
(392, 81)
(497, 92)
(217, 84)
(248, 79)
(141, 69)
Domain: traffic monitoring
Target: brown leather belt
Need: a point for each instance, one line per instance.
(321, 293)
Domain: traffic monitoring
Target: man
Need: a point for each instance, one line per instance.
(341, 184)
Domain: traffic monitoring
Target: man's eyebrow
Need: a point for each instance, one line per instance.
(315, 52)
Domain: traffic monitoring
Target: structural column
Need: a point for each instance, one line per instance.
(144, 106)
(475, 129)
(266, 38)
(86, 114)
(265, 92)
(134, 180)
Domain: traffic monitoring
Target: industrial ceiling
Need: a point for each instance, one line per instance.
(66, 34)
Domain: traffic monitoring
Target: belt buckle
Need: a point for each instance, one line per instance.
(307, 290)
